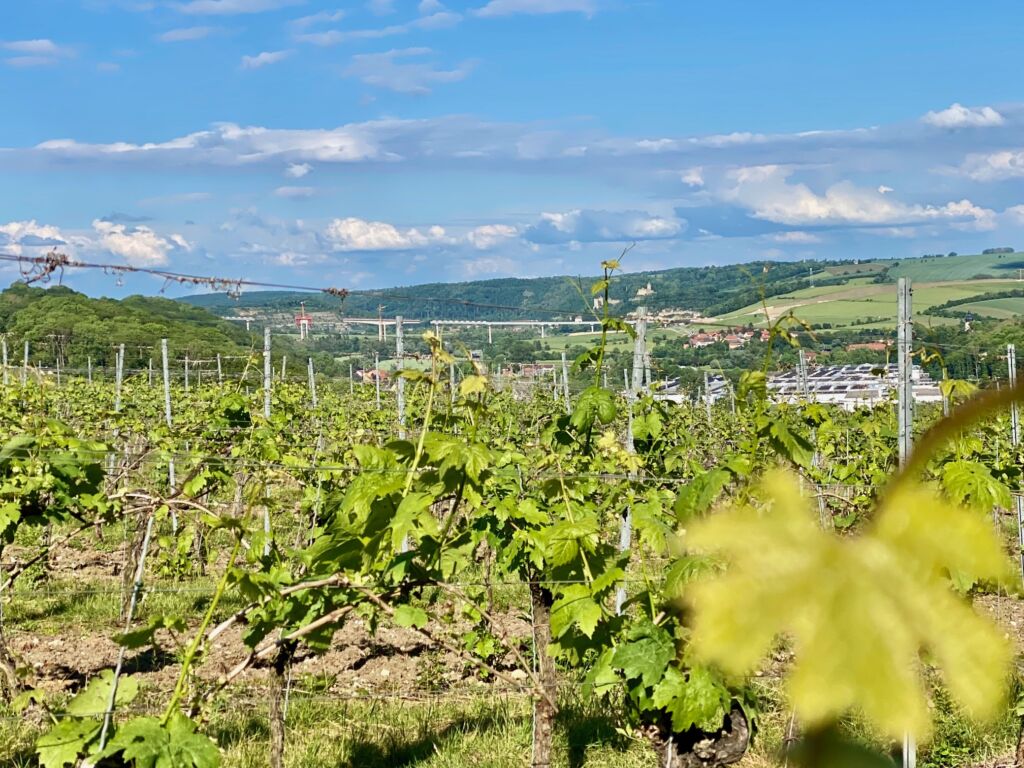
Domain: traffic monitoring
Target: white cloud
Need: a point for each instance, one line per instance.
(38, 47)
(593, 226)
(185, 34)
(297, 170)
(429, 6)
(393, 71)
(352, 234)
(321, 17)
(994, 166)
(693, 177)
(39, 52)
(264, 59)
(1015, 214)
(959, 116)
(295, 193)
(326, 38)
(17, 236)
(381, 7)
(140, 246)
(795, 236)
(24, 62)
(439, 20)
(510, 7)
(233, 7)
(489, 235)
(884, 190)
(766, 191)
(489, 265)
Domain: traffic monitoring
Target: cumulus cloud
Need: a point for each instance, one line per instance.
(295, 193)
(485, 266)
(381, 7)
(489, 235)
(795, 236)
(693, 177)
(393, 70)
(233, 7)
(39, 52)
(297, 170)
(429, 6)
(352, 234)
(140, 246)
(994, 166)
(184, 34)
(593, 226)
(769, 195)
(511, 7)
(16, 236)
(264, 59)
(1015, 215)
(959, 116)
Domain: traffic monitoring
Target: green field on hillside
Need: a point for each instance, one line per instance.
(931, 269)
(1000, 309)
(865, 304)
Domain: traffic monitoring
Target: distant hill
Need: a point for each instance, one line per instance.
(60, 322)
(713, 290)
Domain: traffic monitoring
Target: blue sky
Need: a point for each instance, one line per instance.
(377, 143)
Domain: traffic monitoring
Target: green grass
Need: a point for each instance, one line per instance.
(874, 304)
(1000, 309)
(959, 267)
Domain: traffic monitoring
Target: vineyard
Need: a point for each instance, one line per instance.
(314, 572)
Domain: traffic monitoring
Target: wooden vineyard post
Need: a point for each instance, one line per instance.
(171, 480)
(376, 375)
(151, 371)
(707, 396)
(4, 343)
(451, 380)
(399, 367)
(802, 374)
(1011, 364)
(118, 378)
(905, 342)
(267, 384)
(88, 369)
(24, 366)
(220, 371)
(312, 383)
(565, 383)
(140, 571)
(186, 373)
(626, 525)
(639, 350)
(266, 373)
(284, 366)
(351, 379)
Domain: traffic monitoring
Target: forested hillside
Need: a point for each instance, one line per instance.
(59, 322)
(713, 290)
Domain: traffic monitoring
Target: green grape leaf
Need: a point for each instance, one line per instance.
(972, 484)
(575, 607)
(697, 496)
(410, 616)
(63, 743)
(695, 698)
(93, 700)
(645, 654)
(859, 610)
